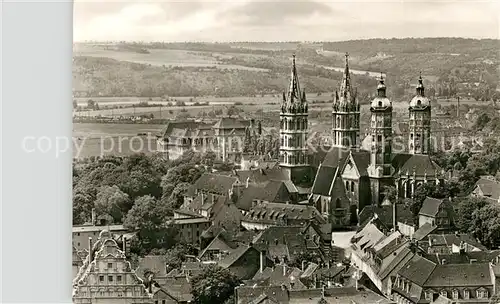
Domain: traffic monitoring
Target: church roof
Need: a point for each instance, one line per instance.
(323, 180)
(420, 164)
(230, 123)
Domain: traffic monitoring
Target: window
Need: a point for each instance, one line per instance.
(347, 185)
(101, 278)
(163, 301)
(466, 294)
(379, 138)
(156, 301)
(455, 294)
(110, 278)
(379, 103)
(120, 294)
(352, 187)
(119, 278)
(78, 233)
(444, 293)
(78, 244)
(110, 265)
(428, 295)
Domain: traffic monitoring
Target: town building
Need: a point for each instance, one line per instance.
(487, 188)
(107, 277)
(225, 136)
(437, 212)
(81, 233)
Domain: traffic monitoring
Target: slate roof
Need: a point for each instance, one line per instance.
(367, 237)
(418, 270)
(385, 214)
(230, 123)
(362, 160)
(465, 257)
(458, 275)
(454, 239)
(274, 212)
(421, 164)
(489, 187)
(404, 256)
(279, 241)
(335, 157)
(261, 175)
(424, 231)
(237, 253)
(323, 180)
(178, 128)
(431, 206)
(220, 184)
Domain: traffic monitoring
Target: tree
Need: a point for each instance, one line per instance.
(306, 256)
(214, 285)
(486, 225)
(177, 254)
(464, 216)
(148, 217)
(111, 200)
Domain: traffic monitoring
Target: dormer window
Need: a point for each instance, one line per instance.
(379, 103)
(455, 294)
(419, 102)
(444, 293)
(466, 294)
(428, 295)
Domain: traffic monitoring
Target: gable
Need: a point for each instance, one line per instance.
(350, 170)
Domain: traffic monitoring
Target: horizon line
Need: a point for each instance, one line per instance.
(277, 41)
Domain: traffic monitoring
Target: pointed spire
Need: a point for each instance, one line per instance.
(294, 90)
(345, 86)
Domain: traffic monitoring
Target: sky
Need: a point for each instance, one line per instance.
(278, 20)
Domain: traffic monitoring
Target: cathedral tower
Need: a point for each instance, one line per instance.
(380, 169)
(293, 128)
(419, 122)
(346, 113)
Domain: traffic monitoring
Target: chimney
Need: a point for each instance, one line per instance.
(247, 182)
(284, 269)
(394, 217)
(94, 217)
(262, 261)
(90, 249)
(303, 265)
(202, 198)
(124, 245)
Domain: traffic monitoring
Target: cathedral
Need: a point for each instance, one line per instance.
(350, 176)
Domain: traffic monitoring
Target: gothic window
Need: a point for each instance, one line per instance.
(282, 141)
(347, 186)
(419, 102)
(338, 204)
(338, 122)
(411, 135)
(379, 138)
(352, 187)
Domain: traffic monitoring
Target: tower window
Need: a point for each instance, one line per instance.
(419, 102)
(379, 138)
(379, 103)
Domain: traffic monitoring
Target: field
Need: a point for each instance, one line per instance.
(161, 57)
